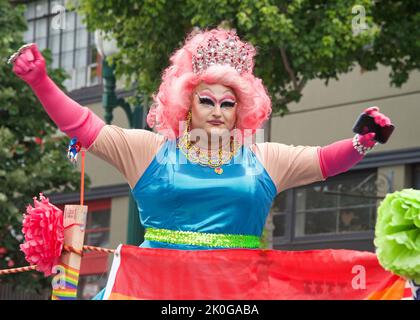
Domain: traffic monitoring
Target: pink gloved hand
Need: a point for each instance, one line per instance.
(70, 117)
(340, 156)
(367, 139)
(30, 65)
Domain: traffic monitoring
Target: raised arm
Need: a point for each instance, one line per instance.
(70, 117)
(128, 150)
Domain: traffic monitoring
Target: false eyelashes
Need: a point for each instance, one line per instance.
(210, 102)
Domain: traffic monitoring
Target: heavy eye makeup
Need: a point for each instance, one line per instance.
(210, 102)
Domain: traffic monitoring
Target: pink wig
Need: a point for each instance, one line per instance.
(174, 97)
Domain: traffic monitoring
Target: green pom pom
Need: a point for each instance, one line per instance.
(397, 233)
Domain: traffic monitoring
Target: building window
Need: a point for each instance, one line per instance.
(72, 46)
(281, 211)
(97, 227)
(340, 205)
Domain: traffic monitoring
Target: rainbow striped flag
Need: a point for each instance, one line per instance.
(65, 283)
(250, 274)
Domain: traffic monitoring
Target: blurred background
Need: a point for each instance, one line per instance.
(323, 63)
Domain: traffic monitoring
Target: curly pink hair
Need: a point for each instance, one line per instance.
(173, 99)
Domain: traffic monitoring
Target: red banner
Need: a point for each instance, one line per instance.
(249, 274)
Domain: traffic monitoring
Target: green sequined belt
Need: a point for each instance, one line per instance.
(202, 238)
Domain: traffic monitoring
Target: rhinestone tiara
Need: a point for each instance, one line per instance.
(232, 51)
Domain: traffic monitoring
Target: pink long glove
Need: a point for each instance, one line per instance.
(70, 117)
(340, 156)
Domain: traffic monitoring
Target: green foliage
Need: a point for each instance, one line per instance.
(26, 167)
(297, 40)
(398, 43)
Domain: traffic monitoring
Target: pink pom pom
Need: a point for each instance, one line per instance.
(44, 235)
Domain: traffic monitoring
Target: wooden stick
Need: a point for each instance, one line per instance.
(82, 179)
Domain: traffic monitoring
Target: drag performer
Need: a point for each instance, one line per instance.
(196, 191)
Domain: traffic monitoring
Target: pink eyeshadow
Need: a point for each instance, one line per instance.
(228, 96)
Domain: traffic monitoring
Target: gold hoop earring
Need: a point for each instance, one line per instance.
(189, 120)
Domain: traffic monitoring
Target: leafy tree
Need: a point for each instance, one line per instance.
(297, 40)
(398, 43)
(32, 154)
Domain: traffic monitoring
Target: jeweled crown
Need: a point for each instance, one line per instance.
(232, 51)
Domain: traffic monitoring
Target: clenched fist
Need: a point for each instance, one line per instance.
(29, 65)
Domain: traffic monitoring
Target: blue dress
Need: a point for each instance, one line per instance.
(176, 194)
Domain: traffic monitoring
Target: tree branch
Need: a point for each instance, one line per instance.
(288, 68)
(299, 88)
(301, 84)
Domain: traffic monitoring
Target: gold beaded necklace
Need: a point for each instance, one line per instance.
(193, 152)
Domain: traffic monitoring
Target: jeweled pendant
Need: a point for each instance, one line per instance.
(218, 170)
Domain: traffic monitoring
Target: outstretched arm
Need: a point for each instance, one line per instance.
(70, 117)
(340, 156)
(128, 150)
(291, 166)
